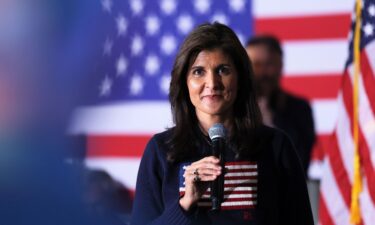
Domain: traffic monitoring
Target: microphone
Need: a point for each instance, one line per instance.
(217, 136)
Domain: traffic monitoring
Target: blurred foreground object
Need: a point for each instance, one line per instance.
(39, 83)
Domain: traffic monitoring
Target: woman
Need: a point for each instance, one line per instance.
(264, 182)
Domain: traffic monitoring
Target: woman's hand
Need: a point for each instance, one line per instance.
(197, 176)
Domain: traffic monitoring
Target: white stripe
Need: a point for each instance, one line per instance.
(233, 196)
(121, 169)
(235, 203)
(122, 118)
(315, 171)
(345, 138)
(241, 174)
(367, 206)
(315, 57)
(332, 196)
(366, 116)
(232, 189)
(325, 115)
(272, 8)
(135, 119)
(248, 181)
(234, 167)
(240, 188)
(370, 49)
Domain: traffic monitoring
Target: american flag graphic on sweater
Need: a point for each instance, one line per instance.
(240, 186)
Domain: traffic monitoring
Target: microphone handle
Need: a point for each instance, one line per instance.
(217, 186)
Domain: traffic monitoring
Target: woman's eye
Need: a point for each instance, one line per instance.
(223, 70)
(197, 72)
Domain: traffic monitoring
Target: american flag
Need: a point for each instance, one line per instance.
(138, 41)
(240, 186)
(337, 181)
(131, 75)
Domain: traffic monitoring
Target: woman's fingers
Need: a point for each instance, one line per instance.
(207, 175)
(208, 159)
(206, 169)
(196, 176)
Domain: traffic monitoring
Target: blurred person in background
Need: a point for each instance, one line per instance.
(104, 195)
(279, 108)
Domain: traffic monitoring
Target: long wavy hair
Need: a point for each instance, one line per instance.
(246, 113)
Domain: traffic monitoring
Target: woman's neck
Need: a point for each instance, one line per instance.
(206, 121)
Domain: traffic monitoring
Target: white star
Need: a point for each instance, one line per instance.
(136, 6)
(137, 45)
(168, 44)
(202, 6)
(184, 23)
(121, 65)
(152, 25)
(136, 84)
(237, 5)
(168, 6)
(152, 64)
(107, 47)
(107, 5)
(350, 35)
(368, 29)
(122, 25)
(371, 10)
(164, 83)
(105, 87)
(221, 18)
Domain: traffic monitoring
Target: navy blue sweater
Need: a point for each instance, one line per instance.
(269, 189)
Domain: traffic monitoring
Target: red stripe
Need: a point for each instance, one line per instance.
(324, 216)
(240, 192)
(238, 207)
(368, 80)
(241, 170)
(242, 178)
(233, 207)
(240, 163)
(116, 145)
(305, 27)
(230, 192)
(339, 171)
(241, 185)
(240, 199)
(321, 143)
(313, 86)
(365, 154)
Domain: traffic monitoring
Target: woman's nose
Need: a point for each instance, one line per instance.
(213, 80)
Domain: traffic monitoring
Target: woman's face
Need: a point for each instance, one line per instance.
(212, 83)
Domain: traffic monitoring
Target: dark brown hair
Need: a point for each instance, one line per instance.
(246, 112)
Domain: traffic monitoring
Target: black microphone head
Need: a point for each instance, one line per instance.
(216, 131)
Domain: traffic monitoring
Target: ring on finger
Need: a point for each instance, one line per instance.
(197, 178)
(196, 172)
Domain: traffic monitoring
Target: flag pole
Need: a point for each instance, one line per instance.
(355, 216)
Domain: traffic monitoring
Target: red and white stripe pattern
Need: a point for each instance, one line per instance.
(337, 181)
(314, 35)
(240, 186)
